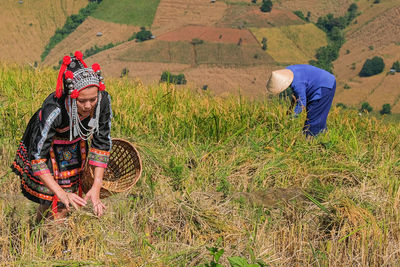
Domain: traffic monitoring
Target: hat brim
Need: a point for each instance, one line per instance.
(279, 81)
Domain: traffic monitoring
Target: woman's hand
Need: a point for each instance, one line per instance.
(71, 199)
(98, 206)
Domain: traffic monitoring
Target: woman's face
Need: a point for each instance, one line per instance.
(87, 100)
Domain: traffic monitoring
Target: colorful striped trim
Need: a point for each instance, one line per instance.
(98, 164)
(39, 167)
(98, 157)
(65, 142)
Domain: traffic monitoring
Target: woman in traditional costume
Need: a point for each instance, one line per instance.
(54, 148)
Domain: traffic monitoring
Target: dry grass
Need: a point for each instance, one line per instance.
(211, 166)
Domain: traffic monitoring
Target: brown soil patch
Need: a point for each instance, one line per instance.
(26, 28)
(85, 37)
(277, 15)
(210, 34)
(173, 14)
(250, 16)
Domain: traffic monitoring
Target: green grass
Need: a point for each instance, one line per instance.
(132, 12)
(218, 172)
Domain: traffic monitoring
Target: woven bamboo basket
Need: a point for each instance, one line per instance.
(123, 171)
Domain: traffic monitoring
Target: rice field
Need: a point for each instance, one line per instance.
(219, 173)
(294, 44)
(136, 12)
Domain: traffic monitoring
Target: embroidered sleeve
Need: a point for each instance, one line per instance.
(98, 157)
(43, 135)
(39, 167)
(102, 139)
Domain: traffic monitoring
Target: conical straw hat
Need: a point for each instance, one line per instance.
(279, 81)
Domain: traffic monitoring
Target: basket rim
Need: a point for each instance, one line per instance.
(140, 167)
(107, 185)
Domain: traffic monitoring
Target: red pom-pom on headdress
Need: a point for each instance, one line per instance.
(66, 62)
(95, 67)
(75, 94)
(69, 74)
(79, 56)
(102, 86)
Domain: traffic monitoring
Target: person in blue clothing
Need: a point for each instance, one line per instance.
(313, 88)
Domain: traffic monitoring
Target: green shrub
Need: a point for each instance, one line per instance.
(266, 6)
(333, 28)
(372, 67)
(365, 107)
(95, 49)
(196, 41)
(143, 35)
(299, 14)
(396, 66)
(386, 109)
(166, 76)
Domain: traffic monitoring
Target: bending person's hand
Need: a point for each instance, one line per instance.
(98, 206)
(72, 199)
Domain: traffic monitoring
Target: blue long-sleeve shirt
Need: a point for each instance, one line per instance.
(307, 83)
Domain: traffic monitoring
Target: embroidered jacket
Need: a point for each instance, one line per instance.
(46, 147)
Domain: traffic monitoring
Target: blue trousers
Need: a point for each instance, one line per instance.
(317, 112)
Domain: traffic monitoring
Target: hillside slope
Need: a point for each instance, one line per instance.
(85, 37)
(369, 37)
(26, 28)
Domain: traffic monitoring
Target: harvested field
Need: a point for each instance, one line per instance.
(220, 80)
(173, 14)
(387, 93)
(210, 34)
(360, 89)
(222, 54)
(293, 44)
(232, 54)
(249, 82)
(84, 37)
(240, 16)
(366, 39)
(317, 8)
(159, 51)
(26, 28)
(370, 12)
(396, 107)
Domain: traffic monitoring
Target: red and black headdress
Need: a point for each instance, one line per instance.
(75, 76)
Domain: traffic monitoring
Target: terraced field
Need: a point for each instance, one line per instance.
(367, 38)
(85, 37)
(173, 14)
(131, 12)
(210, 34)
(293, 44)
(26, 28)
